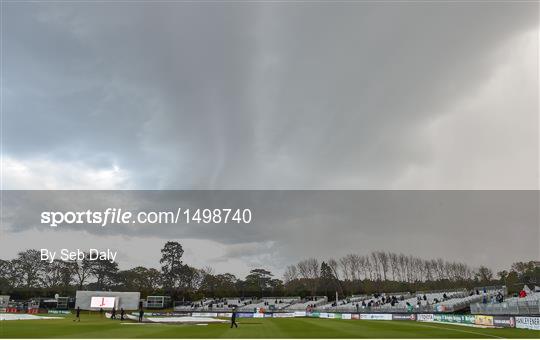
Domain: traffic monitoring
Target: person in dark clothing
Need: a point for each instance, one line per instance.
(122, 313)
(101, 312)
(113, 313)
(141, 314)
(233, 319)
(78, 314)
(500, 297)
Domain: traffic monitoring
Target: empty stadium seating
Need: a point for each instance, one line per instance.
(420, 302)
(314, 301)
(271, 303)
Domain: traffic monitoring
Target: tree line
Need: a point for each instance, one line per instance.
(27, 276)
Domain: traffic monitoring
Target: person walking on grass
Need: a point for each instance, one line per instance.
(113, 313)
(78, 314)
(122, 312)
(233, 319)
(141, 314)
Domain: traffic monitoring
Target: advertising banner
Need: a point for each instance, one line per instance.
(528, 322)
(425, 317)
(504, 321)
(299, 314)
(258, 315)
(164, 314)
(483, 320)
(284, 315)
(455, 318)
(224, 315)
(244, 315)
(313, 314)
(404, 317)
(355, 316)
(204, 314)
(375, 316)
(346, 316)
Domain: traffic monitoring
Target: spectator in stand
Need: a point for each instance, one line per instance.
(522, 293)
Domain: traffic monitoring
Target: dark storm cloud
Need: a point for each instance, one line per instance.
(258, 95)
(171, 95)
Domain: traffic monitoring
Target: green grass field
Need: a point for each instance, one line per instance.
(95, 326)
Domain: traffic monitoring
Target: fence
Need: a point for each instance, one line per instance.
(531, 307)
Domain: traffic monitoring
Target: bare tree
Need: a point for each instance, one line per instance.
(393, 258)
(290, 275)
(309, 271)
(383, 261)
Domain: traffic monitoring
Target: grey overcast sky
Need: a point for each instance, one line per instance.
(494, 228)
(267, 95)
